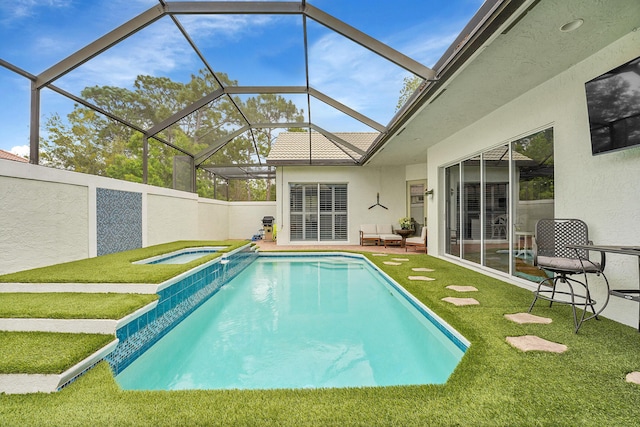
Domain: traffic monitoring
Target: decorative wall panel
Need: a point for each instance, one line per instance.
(119, 220)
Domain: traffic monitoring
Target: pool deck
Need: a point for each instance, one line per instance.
(273, 246)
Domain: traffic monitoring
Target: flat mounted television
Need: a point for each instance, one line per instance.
(613, 101)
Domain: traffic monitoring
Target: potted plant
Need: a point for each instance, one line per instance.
(405, 223)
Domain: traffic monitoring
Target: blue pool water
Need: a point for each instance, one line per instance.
(182, 256)
(299, 322)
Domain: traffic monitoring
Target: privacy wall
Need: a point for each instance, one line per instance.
(49, 216)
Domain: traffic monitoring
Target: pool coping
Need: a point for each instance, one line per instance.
(194, 249)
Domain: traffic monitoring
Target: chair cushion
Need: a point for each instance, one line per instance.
(390, 237)
(415, 241)
(571, 265)
(369, 229)
(385, 229)
(370, 236)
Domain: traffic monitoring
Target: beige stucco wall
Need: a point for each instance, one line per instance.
(213, 219)
(245, 218)
(171, 218)
(363, 184)
(42, 222)
(48, 216)
(601, 190)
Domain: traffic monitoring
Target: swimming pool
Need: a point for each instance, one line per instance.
(181, 256)
(301, 322)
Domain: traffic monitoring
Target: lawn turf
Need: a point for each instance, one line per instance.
(494, 384)
(119, 267)
(67, 305)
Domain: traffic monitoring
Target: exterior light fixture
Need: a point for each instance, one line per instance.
(429, 193)
(572, 25)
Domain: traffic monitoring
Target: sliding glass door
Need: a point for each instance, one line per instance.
(494, 200)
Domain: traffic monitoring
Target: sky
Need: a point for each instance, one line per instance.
(260, 50)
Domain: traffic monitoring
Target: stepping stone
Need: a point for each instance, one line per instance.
(463, 288)
(379, 254)
(391, 263)
(535, 343)
(527, 318)
(633, 377)
(461, 301)
(428, 270)
(423, 278)
(400, 259)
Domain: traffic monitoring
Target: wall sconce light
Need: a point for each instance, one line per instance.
(429, 193)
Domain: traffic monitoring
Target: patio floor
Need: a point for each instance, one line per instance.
(273, 246)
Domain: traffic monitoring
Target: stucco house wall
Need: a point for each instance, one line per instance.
(363, 186)
(602, 190)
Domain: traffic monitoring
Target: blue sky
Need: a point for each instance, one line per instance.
(253, 49)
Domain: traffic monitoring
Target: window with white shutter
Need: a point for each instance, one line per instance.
(318, 212)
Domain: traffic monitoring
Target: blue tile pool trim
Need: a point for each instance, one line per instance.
(177, 299)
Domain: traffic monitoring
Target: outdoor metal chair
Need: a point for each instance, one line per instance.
(552, 236)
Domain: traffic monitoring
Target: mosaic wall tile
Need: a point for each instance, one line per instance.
(174, 304)
(119, 220)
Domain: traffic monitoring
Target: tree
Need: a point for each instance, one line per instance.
(411, 84)
(91, 143)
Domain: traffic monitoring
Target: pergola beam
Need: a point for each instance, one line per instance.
(211, 150)
(100, 45)
(185, 112)
(234, 7)
(114, 117)
(368, 42)
(235, 90)
(336, 139)
(347, 110)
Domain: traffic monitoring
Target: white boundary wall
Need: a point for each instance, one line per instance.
(602, 190)
(48, 216)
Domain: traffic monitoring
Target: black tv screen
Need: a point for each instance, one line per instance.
(613, 101)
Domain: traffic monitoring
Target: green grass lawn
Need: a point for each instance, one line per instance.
(46, 352)
(71, 305)
(118, 267)
(494, 384)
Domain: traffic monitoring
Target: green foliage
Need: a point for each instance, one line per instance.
(494, 385)
(410, 85)
(45, 352)
(64, 305)
(91, 143)
(118, 267)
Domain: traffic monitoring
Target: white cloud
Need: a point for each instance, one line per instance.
(158, 50)
(18, 9)
(355, 76)
(20, 150)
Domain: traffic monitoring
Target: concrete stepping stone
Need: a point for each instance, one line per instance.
(535, 343)
(461, 301)
(423, 278)
(391, 263)
(527, 318)
(400, 259)
(378, 254)
(633, 377)
(458, 288)
(426, 270)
